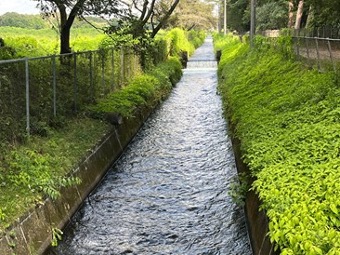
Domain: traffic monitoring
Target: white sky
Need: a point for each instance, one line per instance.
(19, 6)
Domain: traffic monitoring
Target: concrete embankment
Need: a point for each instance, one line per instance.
(257, 220)
(32, 233)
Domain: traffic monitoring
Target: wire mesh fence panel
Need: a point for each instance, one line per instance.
(38, 93)
(324, 53)
(12, 101)
(66, 85)
(41, 93)
(320, 32)
(85, 84)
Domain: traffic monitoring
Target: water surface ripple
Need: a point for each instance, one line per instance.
(168, 193)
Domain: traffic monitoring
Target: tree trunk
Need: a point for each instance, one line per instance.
(299, 15)
(66, 24)
(65, 40)
(290, 14)
(164, 19)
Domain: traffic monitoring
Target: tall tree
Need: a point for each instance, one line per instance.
(290, 13)
(325, 13)
(299, 14)
(271, 15)
(66, 12)
(139, 16)
(194, 14)
(238, 13)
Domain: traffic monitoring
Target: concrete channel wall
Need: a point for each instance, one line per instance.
(32, 234)
(257, 221)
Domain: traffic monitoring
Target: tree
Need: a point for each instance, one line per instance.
(144, 16)
(290, 13)
(238, 14)
(325, 13)
(139, 23)
(299, 14)
(67, 10)
(12, 19)
(194, 14)
(271, 15)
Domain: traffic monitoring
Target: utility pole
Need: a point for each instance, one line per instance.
(225, 17)
(252, 21)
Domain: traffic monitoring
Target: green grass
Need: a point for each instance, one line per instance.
(41, 42)
(38, 167)
(287, 118)
(41, 165)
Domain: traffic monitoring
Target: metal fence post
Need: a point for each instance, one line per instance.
(122, 66)
(75, 81)
(297, 47)
(54, 83)
(27, 97)
(113, 69)
(307, 48)
(102, 53)
(331, 54)
(317, 52)
(91, 77)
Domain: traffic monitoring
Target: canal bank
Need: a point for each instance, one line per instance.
(168, 193)
(33, 232)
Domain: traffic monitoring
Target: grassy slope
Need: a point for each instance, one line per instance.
(287, 119)
(41, 163)
(33, 42)
(31, 170)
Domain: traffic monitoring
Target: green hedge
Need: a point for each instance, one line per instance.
(288, 120)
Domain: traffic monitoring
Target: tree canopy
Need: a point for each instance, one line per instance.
(277, 14)
(194, 14)
(132, 16)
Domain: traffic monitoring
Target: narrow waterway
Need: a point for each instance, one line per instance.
(168, 193)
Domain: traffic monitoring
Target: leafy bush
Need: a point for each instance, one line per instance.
(143, 90)
(178, 42)
(287, 119)
(196, 37)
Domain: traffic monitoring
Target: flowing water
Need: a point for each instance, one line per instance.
(168, 193)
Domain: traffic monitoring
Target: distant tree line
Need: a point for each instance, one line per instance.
(278, 14)
(13, 19)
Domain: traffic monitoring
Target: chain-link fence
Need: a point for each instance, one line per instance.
(322, 52)
(37, 91)
(321, 32)
(317, 47)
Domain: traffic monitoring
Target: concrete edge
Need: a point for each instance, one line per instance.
(32, 233)
(256, 219)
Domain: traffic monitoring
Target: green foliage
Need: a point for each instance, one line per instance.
(57, 235)
(196, 37)
(25, 42)
(193, 14)
(29, 172)
(141, 91)
(12, 19)
(271, 15)
(238, 188)
(2, 215)
(33, 170)
(178, 42)
(287, 119)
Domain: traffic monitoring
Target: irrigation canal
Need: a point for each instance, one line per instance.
(168, 193)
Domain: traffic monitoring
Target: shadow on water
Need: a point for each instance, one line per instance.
(168, 193)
